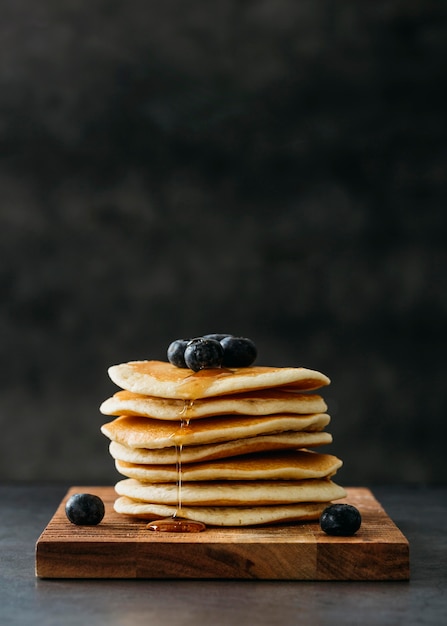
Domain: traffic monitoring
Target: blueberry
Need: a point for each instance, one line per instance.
(203, 353)
(85, 509)
(238, 351)
(341, 520)
(176, 352)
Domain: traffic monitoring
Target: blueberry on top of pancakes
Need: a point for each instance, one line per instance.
(212, 351)
(203, 353)
(238, 351)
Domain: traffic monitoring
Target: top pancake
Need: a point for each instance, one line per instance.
(164, 380)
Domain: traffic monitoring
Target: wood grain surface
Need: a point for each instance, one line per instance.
(122, 547)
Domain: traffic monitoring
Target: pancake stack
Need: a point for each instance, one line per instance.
(223, 446)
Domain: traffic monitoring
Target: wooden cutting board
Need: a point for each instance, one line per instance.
(122, 547)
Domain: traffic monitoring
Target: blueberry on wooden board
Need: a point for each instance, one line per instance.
(238, 351)
(341, 520)
(85, 509)
(203, 353)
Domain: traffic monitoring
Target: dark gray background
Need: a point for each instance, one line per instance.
(274, 169)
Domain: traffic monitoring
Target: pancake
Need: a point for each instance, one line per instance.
(208, 452)
(283, 465)
(143, 432)
(224, 516)
(224, 446)
(162, 379)
(232, 493)
(263, 402)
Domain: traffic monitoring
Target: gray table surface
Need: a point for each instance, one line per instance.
(420, 513)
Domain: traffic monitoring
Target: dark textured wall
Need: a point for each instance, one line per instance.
(275, 169)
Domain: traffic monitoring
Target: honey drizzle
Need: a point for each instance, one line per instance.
(196, 384)
(178, 464)
(176, 523)
(187, 405)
